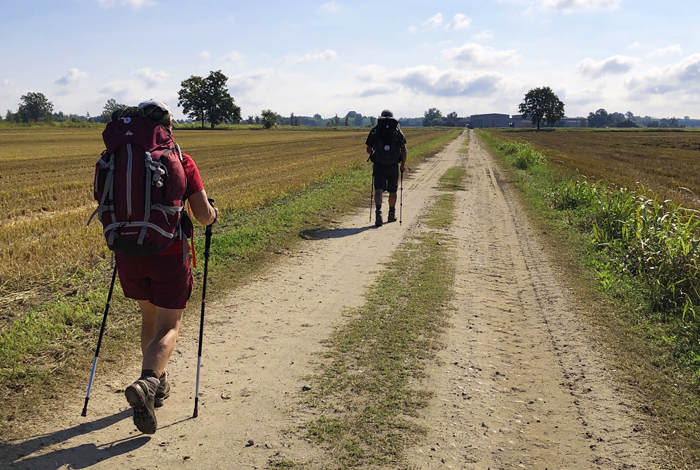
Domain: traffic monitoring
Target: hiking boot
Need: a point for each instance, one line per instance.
(141, 396)
(378, 218)
(163, 390)
(392, 215)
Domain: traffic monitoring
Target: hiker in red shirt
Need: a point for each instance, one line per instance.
(162, 285)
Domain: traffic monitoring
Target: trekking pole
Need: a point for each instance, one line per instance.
(99, 341)
(207, 245)
(371, 195)
(401, 202)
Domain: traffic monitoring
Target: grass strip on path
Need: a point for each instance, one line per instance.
(654, 351)
(50, 349)
(365, 390)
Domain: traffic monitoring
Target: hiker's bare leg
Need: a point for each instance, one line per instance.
(148, 323)
(392, 199)
(378, 197)
(163, 327)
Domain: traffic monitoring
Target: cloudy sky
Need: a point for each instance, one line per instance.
(335, 56)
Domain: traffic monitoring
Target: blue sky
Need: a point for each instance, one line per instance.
(331, 57)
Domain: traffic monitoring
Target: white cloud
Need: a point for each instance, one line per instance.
(74, 76)
(486, 34)
(204, 55)
(412, 29)
(234, 56)
(433, 22)
(370, 73)
(580, 5)
(674, 49)
(150, 77)
(377, 90)
(634, 45)
(426, 79)
(243, 82)
(293, 59)
(330, 7)
(460, 21)
(616, 64)
(481, 56)
(133, 4)
(682, 78)
(5, 82)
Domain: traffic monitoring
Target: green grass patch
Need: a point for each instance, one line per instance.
(634, 259)
(365, 389)
(54, 341)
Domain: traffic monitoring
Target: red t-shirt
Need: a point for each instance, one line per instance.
(194, 185)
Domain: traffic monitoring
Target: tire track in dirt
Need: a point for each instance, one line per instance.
(260, 343)
(520, 385)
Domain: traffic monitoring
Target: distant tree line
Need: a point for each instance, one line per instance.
(433, 117)
(601, 118)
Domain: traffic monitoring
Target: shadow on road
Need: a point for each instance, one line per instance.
(326, 233)
(19, 454)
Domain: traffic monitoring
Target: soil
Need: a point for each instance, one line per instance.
(520, 384)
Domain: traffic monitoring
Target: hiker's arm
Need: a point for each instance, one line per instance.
(204, 212)
(369, 150)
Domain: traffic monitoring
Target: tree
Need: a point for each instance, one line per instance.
(192, 98)
(336, 120)
(268, 118)
(373, 121)
(220, 105)
(629, 115)
(109, 108)
(208, 99)
(432, 117)
(451, 119)
(358, 120)
(251, 120)
(347, 121)
(34, 107)
(542, 104)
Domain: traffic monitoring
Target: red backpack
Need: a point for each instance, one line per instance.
(139, 185)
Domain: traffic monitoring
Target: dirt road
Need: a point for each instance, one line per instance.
(519, 385)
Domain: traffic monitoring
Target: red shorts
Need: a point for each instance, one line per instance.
(163, 280)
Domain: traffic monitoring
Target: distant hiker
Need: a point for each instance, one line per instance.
(141, 184)
(386, 146)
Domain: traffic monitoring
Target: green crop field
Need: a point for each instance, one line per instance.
(47, 173)
(667, 163)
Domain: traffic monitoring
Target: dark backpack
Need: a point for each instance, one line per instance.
(386, 147)
(140, 184)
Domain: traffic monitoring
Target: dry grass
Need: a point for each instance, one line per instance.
(46, 180)
(667, 163)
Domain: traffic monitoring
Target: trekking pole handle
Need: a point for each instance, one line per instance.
(211, 203)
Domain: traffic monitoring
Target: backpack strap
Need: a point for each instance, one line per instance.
(147, 209)
(107, 192)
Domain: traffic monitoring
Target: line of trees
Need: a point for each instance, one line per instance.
(433, 117)
(601, 118)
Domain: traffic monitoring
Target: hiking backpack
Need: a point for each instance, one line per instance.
(386, 147)
(140, 184)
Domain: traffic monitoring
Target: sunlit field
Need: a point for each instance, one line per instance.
(666, 162)
(46, 179)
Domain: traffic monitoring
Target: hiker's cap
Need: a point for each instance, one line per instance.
(157, 104)
(387, 114)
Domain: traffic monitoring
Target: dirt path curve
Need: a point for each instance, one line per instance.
(520, 386)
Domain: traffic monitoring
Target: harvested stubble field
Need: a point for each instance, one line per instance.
(46, 176)
(666, 162)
